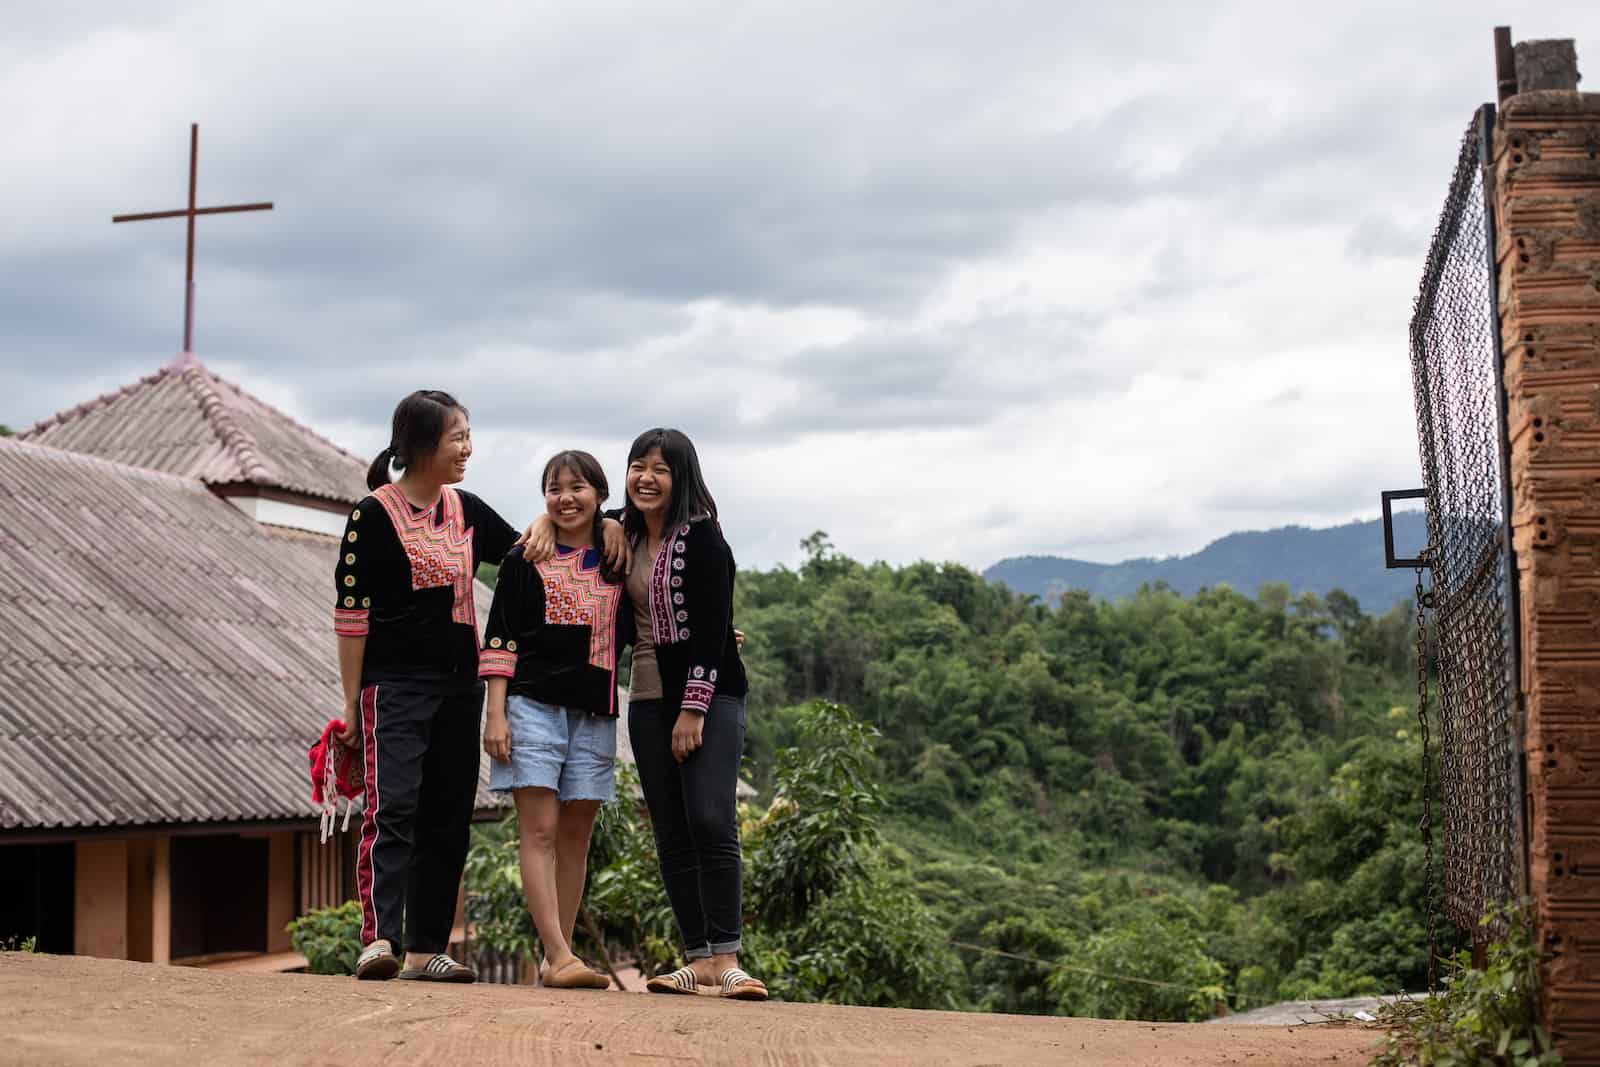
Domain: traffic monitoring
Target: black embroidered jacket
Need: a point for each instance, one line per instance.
(691, 617)
(556, 629)
(404, 581)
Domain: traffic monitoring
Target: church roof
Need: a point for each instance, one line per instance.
(185, 420)
(164, 658)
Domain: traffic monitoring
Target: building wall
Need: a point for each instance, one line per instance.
(287, 513)
(125, 908)
(100, 899)
(1547, 206)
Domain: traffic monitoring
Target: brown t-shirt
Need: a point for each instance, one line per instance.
(645, 681)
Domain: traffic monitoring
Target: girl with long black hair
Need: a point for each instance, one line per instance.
(686, 716)
(408, 662)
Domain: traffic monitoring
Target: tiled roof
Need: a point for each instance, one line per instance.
(185, 420)
(163, 658)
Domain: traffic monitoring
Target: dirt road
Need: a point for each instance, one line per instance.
(71, 1010)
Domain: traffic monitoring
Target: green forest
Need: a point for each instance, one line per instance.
(1163, 807)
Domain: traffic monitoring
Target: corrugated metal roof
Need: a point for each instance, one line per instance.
(163, 657)
(185, 420)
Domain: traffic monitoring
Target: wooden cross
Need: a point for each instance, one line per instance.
(190, 212)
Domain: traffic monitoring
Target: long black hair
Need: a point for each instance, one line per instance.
(588, 468)
(419, 422)
(690, 497)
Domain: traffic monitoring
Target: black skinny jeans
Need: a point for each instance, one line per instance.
(693, 811)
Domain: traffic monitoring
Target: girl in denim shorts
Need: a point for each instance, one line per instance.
(550, 662)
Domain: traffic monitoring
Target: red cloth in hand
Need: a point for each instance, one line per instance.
(336, 769)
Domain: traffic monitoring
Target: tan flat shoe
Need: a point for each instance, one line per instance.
(575, 975)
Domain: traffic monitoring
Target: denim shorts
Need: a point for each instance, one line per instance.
(570, 752)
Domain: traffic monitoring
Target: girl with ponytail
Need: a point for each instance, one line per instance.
(550, 654)
(408, 661)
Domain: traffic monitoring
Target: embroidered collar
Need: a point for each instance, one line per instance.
(439, 550)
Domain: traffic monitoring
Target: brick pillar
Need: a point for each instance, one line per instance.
(1547, 207)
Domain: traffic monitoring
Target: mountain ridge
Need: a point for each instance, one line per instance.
(1309, 559)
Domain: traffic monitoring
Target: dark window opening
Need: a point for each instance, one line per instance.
(36, 896)
(219, 895)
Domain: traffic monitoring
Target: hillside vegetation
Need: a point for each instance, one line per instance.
(1154, 808)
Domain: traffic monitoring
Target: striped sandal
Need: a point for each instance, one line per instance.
(440, 968)
(681, 980)
(736, 985)
(377, 962)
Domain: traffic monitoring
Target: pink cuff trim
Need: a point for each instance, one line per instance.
(697, 696)
(496, 663)
(350, 622)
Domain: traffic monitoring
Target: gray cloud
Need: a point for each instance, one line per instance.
(796, 231)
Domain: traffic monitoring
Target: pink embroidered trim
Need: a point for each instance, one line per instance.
(574, 596)
(440, 553)
(350, 622)
(497, 663)
(666, 590)
(697, 695)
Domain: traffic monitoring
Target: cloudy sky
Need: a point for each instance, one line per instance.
(955, 281)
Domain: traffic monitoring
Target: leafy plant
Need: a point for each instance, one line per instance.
(329, 938)
(1147, 963)
(16, 944)
(822, 818)
(830, 919)
(1487, 1016)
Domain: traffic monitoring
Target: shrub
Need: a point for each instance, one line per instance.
(329, 938)
(1479, 1017)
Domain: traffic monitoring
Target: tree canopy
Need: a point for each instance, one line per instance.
(1150, 808)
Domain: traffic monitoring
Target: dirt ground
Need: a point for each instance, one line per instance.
(73, 1010)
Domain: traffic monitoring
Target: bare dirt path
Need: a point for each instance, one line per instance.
(73, 1010)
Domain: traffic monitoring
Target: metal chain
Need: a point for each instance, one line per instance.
(1424, 601)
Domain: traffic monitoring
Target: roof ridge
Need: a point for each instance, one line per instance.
(213, 409)
(284, 415)
(68, 414)
(180, 366)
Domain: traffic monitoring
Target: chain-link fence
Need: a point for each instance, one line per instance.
(1455, 374)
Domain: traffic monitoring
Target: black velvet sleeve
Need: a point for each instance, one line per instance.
(709, 610)
(492, 536)
(517, 608)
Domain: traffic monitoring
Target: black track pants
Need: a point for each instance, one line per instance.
(421, 751)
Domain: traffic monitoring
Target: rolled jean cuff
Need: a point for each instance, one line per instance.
(726, 948)
(703, 952)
